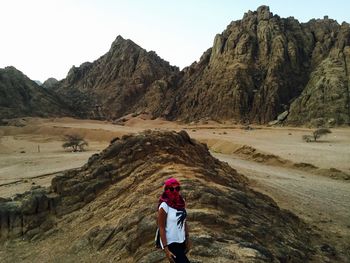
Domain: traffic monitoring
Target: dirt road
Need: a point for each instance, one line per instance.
(323, 202)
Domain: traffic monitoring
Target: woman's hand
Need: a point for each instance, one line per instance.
(170, 256)
(188, 245)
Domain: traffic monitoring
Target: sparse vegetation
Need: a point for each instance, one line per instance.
(75, 141)
(316, 134)
(307, 138)
(320, 132)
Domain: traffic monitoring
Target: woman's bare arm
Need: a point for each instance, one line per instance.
(161, 224)
(162, 215)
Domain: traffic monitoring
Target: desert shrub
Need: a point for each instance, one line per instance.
(307, 138)
(316, 134)
(320, 132)
(74, 141)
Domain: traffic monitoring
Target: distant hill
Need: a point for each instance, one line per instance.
(50, 83)
(20, 96)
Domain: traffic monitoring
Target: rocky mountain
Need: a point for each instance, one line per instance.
(264, 65)
(50, 83)
(106, 210)
(20, 96)
(262, 68)
(126, 79)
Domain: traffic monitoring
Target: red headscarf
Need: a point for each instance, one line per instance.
(173, 199)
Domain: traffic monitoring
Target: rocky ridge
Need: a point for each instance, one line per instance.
(20, 96)
(106, 211)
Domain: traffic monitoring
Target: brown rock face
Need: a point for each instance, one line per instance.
(126, 79)
(326, 97)
(106, 211)
(260, 64)
(20, 96)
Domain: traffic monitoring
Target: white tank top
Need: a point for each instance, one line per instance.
(175, 224)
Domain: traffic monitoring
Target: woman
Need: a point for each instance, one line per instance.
(172, 223)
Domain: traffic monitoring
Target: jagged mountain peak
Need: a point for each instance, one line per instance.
(122, 41)
(262, 13)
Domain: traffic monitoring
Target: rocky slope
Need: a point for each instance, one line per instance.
(106, 211)
(259, 65)
(20, 96)
(127, 79)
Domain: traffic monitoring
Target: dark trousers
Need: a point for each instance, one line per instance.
(178, 249)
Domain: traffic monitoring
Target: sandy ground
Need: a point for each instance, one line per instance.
(319, 200)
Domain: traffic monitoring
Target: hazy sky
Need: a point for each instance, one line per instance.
(45, 38)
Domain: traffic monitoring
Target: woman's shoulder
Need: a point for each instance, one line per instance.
(165, 206)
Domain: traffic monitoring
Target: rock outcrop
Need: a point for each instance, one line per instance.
(127, 79)
(20, 96)
(106, 211)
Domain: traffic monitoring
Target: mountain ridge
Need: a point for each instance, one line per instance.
(261, 69)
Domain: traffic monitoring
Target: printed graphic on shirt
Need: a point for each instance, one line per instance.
(181, 216)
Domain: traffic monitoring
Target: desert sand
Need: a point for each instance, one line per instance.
(279, 164)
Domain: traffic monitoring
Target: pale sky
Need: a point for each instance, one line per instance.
(45, 38)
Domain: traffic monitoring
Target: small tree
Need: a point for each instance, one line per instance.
(320, 132)
(316, 134)
(75, 141)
